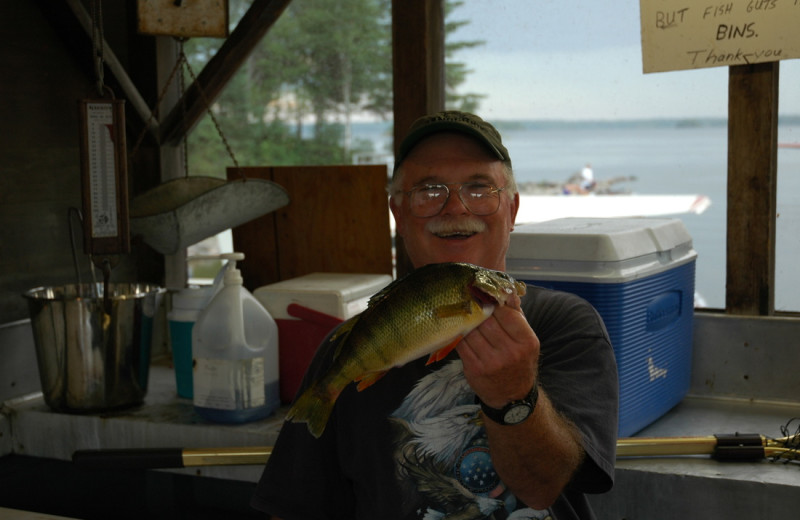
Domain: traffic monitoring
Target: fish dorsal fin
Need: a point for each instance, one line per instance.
(381, 295)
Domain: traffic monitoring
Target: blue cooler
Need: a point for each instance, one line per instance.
(639, 275)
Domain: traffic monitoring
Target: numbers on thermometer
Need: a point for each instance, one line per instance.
(102, 169)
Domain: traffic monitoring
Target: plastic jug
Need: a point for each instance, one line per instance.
(187, 304)
(235, 350)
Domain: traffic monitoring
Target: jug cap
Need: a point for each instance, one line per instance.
(232, 275)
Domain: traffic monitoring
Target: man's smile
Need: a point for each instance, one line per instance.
(456, 235)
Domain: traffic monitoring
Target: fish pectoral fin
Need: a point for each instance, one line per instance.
(453, 309)
(443, 352)
(369, 379)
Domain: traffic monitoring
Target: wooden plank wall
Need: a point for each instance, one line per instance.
(337, 221)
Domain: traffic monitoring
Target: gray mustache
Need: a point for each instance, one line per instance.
(449, 226)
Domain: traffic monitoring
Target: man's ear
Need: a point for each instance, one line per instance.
(397, 212)
(514, 210)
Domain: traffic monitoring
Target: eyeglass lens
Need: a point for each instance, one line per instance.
(479, 198)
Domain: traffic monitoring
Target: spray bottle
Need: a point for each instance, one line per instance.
(235, 350)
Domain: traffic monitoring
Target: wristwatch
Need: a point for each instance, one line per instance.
(515, 411)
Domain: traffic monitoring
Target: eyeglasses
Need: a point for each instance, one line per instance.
(480, 198)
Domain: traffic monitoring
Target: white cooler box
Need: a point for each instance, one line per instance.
(306, 309)
(639, 275)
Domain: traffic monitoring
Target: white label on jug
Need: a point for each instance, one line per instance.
(226, 384)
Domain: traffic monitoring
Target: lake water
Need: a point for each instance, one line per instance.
(665, 158)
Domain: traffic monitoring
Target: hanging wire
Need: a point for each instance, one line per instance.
(793, 442)
(183, 61)
(207, 104)
(154, 112)
(98, 44)
(182, 82)
(78, 213)
(73, 211)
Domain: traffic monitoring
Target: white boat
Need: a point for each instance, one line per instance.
(538, 208)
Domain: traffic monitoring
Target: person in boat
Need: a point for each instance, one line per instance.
(520, 419)
(587, 178)
(581, 184)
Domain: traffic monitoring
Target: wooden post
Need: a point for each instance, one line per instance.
(418, 64)
(752, 188)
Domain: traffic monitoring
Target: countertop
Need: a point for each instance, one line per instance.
(168, 421)
(163, 421)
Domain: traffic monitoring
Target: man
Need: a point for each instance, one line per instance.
(435, 441)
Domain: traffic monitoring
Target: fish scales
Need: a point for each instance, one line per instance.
(424, 313)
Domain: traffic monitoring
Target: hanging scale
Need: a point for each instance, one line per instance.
(103, 166)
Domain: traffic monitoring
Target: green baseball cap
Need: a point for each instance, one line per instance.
(452, 121)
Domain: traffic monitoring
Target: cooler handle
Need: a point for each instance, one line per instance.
(317, 317)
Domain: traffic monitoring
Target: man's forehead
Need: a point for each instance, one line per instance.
(451, 169)
(445, 178)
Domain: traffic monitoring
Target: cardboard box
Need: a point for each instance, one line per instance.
(306, 309)
(639, 275)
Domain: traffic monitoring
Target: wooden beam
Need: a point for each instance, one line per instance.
(120, 74)
(418, 72)
(259, 18)
(752, 188)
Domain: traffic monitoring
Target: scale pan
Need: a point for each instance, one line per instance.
(184, 211)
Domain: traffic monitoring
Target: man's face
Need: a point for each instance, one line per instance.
(454, 234)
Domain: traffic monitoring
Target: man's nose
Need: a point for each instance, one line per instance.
(454, 204)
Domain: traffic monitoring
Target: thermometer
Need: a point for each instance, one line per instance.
(104, 177)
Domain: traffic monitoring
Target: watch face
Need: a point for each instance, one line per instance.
(517, 413)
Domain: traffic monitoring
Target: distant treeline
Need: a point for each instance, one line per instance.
(508, 125)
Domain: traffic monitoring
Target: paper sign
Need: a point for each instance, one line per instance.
(691, 34)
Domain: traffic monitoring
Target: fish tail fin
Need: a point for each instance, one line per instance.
(314, 407)
(442, 352)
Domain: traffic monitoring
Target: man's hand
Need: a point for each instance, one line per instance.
(501, 356)
(537, 457)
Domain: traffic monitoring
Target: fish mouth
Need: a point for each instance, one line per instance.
(495, 287)
(461, 229)
(482, 297)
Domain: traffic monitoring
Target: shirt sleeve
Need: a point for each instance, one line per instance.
(579, 373)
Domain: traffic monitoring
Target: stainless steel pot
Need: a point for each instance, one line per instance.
(90, 360)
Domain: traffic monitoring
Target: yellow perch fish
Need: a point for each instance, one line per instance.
(424, 313)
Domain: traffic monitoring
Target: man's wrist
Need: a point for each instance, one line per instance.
(514, 412)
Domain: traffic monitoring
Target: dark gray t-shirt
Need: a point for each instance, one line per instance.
(412, 446)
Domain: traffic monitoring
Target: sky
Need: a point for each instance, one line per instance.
(573, 60)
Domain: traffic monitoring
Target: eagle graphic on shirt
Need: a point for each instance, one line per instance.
(442, 454)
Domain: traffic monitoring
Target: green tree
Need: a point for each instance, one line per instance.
(456, 72)
(294, 100)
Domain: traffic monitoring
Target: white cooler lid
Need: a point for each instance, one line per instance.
(597, 239)
(339, 294)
